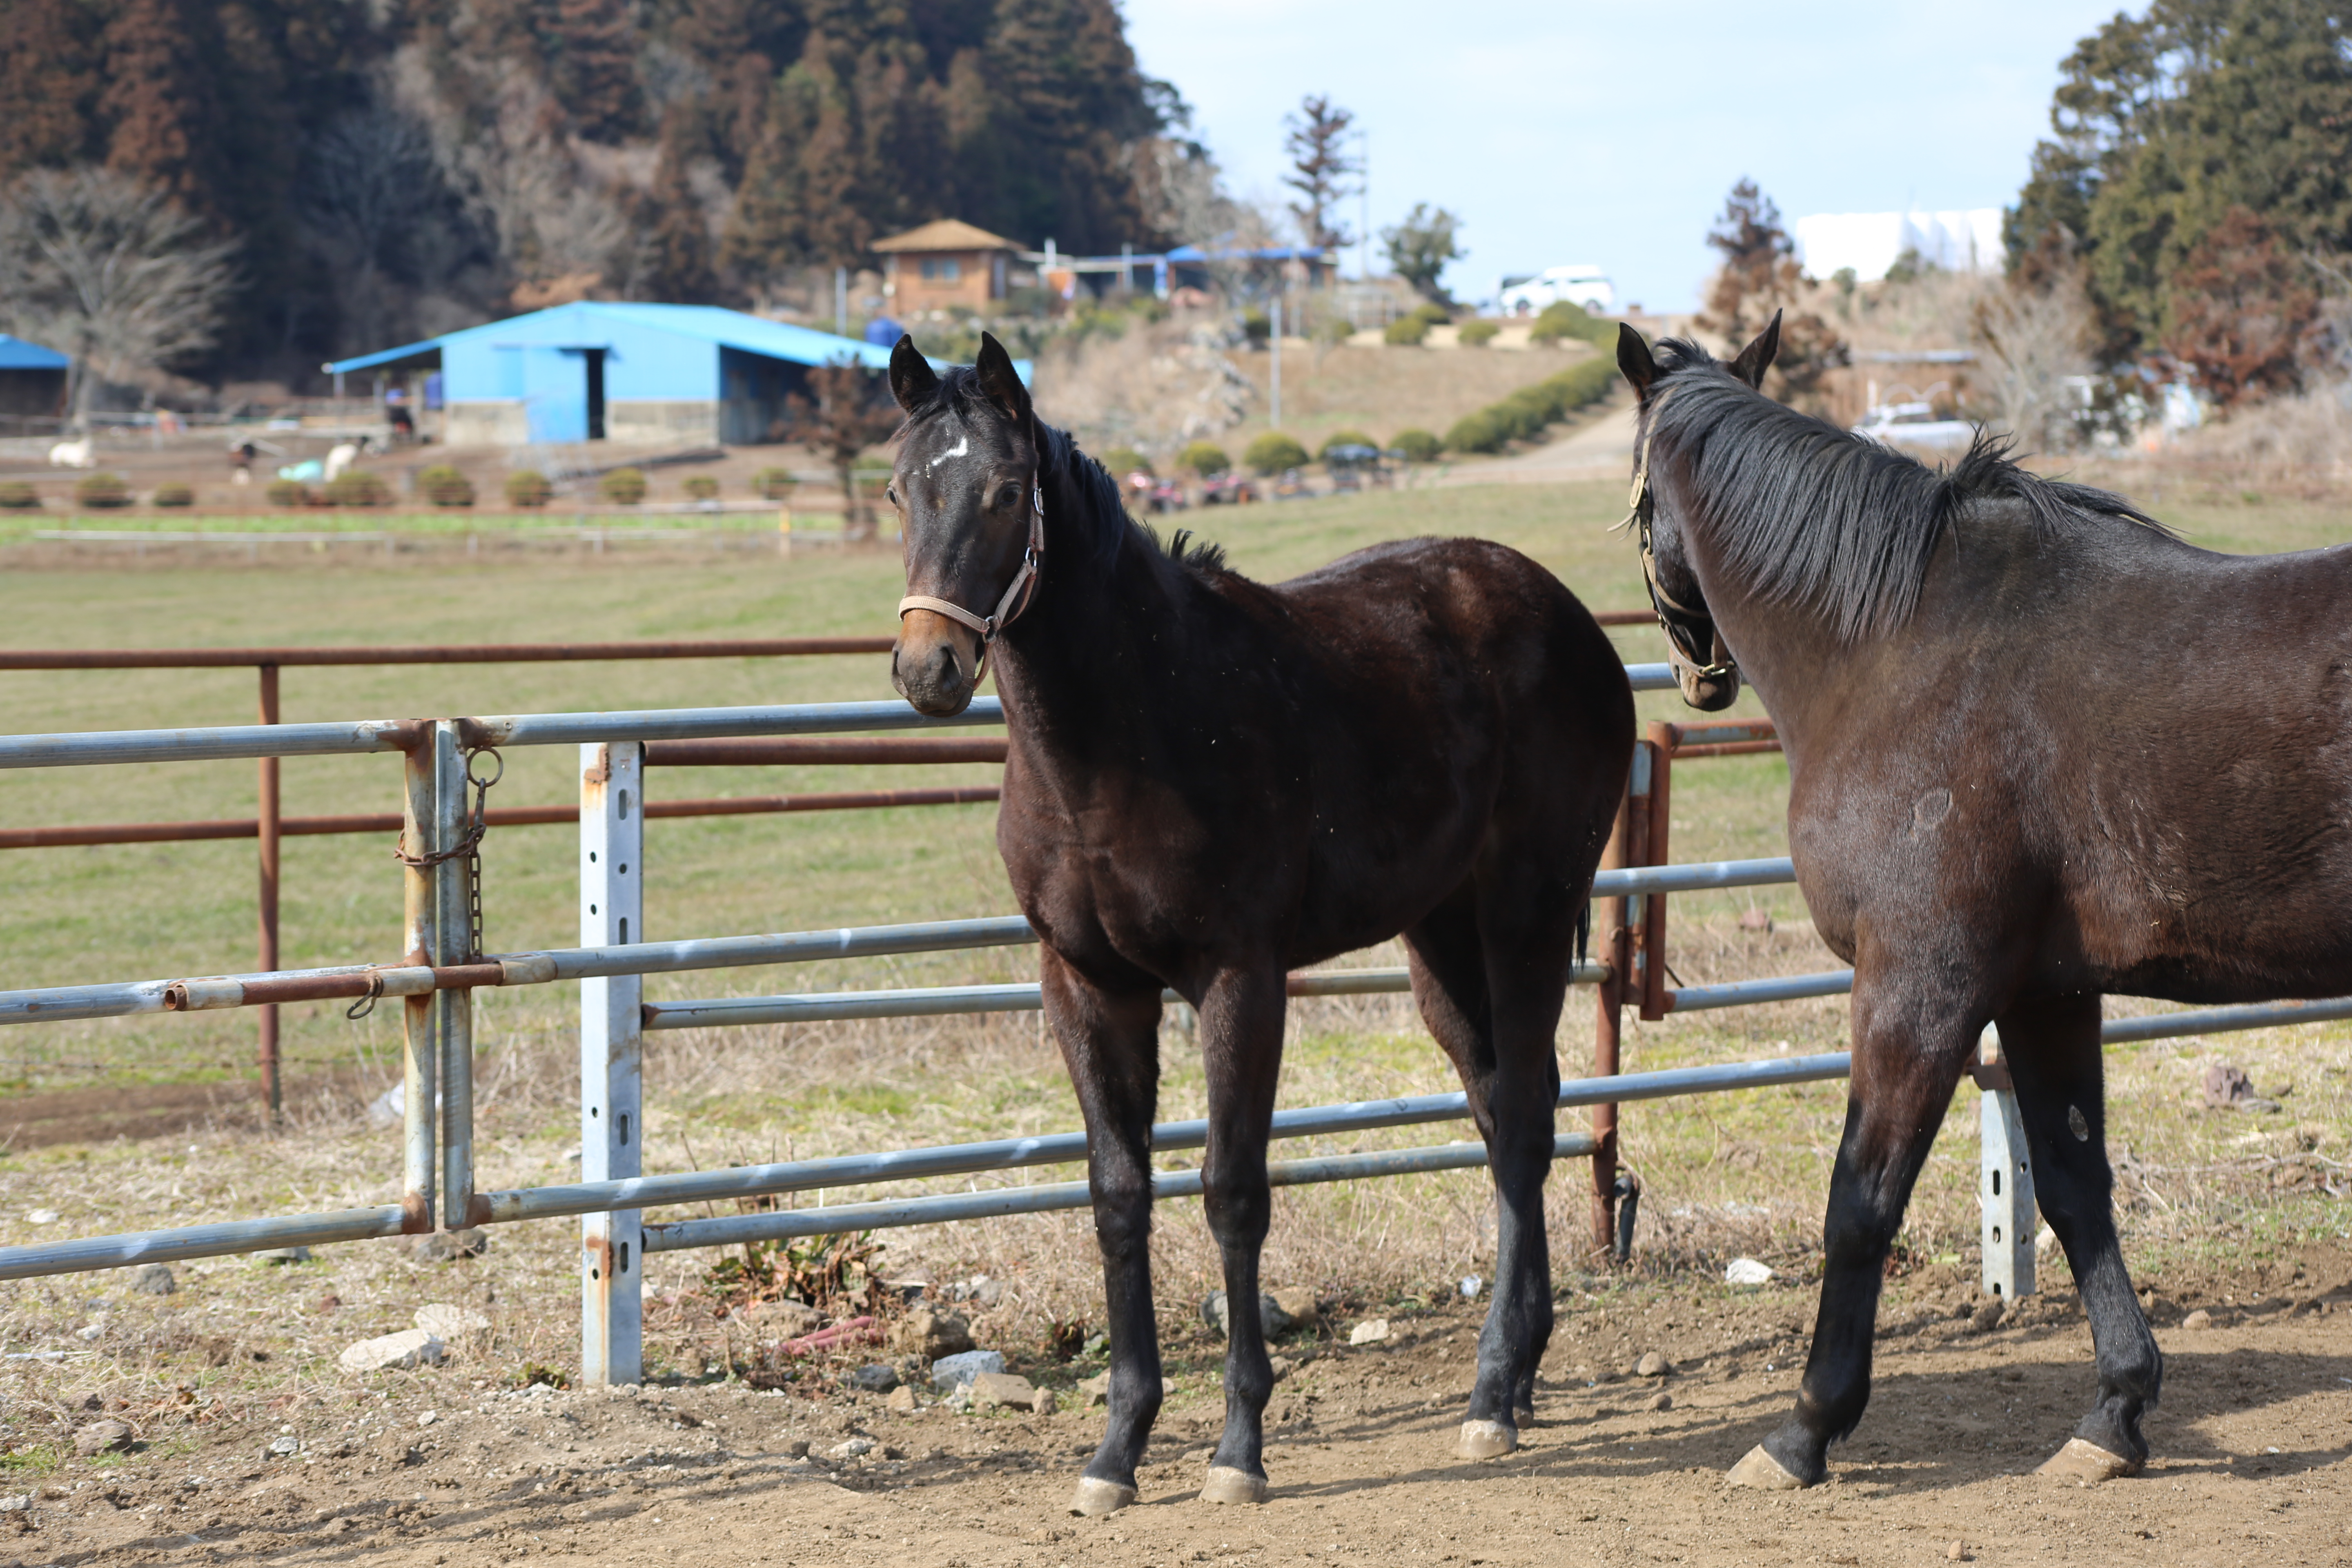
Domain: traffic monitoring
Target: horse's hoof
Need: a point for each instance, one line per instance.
(1524, 1416)
(1485, 1440)
(1765, 1473)
(1097, 1497)
(2086, 1463)
(1227, 1484)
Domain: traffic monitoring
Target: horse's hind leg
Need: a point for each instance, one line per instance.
(1490, 991)
(1241, 1048)
(2053, 1056)
(1111, 1042)
(1909, 1047)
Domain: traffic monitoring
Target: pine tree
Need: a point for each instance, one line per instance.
(593, 67)
(1759, 275)
(48, 80)
(1322, 170)
(158, 101)
(677, 266)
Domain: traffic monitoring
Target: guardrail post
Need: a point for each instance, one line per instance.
(2004, 1178)
(265, 830)
(1661, 746)
(611, 1120)
(419, 1052)
(452, 932)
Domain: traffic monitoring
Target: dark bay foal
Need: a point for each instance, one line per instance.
(2039, 749)
(1212, 782)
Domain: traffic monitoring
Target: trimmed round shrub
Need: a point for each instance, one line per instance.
(1256, 327)
(1126, 460)
(103, 491)
(1567, 318)
(1478, 334)
(444, 486)
(288, 492)
(1417, 446)
(1273, 452)
(1406, 332)
(174, 493)
(773, 484)
(1343, 438)
(1435, 314)
(528, 488)
(1205, 459)
(1333, 330)
(701, 487)
(15, 495)
(622, 487)
(362, 486)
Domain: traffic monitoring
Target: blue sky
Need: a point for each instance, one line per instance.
(1610, 134)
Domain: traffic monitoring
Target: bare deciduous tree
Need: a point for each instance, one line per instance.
(849, 409)
(2037, 339)
(104, 269)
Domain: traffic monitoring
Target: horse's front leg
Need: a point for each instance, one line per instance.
(1912, 1039)
(2054, 1056)
(1241, 1048)
(1111, 1042)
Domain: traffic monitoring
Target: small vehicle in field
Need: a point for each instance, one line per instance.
(1229, 489)
(1916, 424)
(1352, 467)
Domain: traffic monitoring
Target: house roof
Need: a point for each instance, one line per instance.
(947, 234)
(16, 353)
(581, 324)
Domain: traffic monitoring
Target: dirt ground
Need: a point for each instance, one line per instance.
(2254, 1452)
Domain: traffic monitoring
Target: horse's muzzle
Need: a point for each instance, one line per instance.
(930, 668)
(1708, 693)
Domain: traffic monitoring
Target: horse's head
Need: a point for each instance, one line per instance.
(1703, 665)
(965, 487)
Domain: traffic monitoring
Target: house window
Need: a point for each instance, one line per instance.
(942, 269)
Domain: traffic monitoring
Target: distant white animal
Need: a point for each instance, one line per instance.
(72, 455)
(343, 455)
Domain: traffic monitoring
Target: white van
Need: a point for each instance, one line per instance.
(1526, 295)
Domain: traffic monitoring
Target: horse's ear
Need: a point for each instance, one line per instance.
(912, 382)
(1633, 359)
(1001, 381)
(1757, 357)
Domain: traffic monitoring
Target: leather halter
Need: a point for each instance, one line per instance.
(1685, 628)
(1023, 587)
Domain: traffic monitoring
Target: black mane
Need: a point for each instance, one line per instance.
(1102, 507)
(1824, 520)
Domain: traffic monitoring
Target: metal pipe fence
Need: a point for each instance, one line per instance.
(441, 967)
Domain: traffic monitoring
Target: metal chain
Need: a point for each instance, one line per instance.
(469, 844)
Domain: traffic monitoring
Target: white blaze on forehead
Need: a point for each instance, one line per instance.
(961, 449)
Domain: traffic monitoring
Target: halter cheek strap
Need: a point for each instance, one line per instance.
(1681, 625)
(1017, 593)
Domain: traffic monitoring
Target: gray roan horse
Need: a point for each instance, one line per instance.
(2039, 749)
(1210, 782)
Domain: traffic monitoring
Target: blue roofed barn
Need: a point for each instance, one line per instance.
(32, 379)
(637, 372)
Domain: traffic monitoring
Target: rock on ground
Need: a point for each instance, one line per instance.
(955, 1371)
(451, 1324)
(101, 1437)
(402, 1351)
(153, 1279)
(1371, 1331)
(991, 1389)
(931, 1334)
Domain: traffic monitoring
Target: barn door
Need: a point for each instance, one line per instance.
(555, 392)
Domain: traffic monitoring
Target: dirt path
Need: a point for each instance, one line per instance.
(2253, 1442)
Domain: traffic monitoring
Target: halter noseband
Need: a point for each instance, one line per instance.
(1685, 628)
(1023, 587)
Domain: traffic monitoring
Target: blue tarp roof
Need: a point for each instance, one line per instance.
(709, 324)
(16, 353)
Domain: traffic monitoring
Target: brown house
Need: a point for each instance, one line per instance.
(945, 264)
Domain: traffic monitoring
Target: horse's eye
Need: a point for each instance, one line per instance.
(1009, 497)
(891, 494)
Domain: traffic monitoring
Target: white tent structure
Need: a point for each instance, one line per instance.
(1965, 241)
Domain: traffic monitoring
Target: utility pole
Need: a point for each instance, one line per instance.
(1364, 206)
(1274, 341)
(841, 301)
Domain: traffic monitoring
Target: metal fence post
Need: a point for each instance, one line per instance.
(2004, 1179)
(1625, 846)
(612, 1121)
(419, 1051)
(265, 830)
(1661, 746)
(453, 943)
